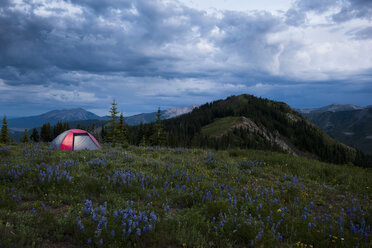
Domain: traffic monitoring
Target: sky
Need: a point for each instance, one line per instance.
(84, 53)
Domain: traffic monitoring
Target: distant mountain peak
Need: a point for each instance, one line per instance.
(330, 108)
(53, 116)
(165, 114)
(177, 111)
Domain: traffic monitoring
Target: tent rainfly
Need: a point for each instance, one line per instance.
(73, 140)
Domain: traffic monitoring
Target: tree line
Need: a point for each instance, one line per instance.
(186, 130)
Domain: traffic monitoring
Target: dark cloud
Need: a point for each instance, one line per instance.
(140, 38)
(84, 52)
(352, 9)
(106, 36)
(348, 9)
(295, 17)
(362, 34)
(318, 6)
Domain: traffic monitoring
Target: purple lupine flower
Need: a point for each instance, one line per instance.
(100, 242)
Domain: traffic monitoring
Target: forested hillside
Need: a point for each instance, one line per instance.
(262, 124)
(352, 127)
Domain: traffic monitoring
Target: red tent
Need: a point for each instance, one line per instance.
(75, 139)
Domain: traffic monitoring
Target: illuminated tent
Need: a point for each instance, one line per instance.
(73, 140)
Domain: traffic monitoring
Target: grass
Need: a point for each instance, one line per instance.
(220, 125)
(160, 197)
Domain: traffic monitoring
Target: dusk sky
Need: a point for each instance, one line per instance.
(150, 53)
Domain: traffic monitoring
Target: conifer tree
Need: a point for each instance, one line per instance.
(113, 130)
(103, 134)
(25, 137)
(4, 134)
(140, 134)
(123, 131)
(58, 129)
(45, 133)
(66, 126)
(158, 137)
(35, 135)
(94, 130)
(143, 141)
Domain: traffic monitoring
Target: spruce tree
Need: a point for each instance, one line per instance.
(66, 126)
(4, 134)
(94, 130)
(45, 133)
(123, 131)
(158, 138)
(25, 137)
(58, 129)
(35, 135)
(113, 130)
(140, 134)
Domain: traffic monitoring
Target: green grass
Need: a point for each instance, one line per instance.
(190, 197)
(219, 126)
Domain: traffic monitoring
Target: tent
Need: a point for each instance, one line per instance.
(73, 140)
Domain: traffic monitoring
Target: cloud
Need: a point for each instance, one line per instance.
(351, 9)
(362, 34)
(162, 52)
(340, 10)
(295, 17)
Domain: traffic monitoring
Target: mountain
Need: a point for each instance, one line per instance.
(65, 115)
(165, 114)
(352, 127)
(330, 108)
(246, 121)
(78, 115)
(174, 112)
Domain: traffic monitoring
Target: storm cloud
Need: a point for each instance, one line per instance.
(56, 54)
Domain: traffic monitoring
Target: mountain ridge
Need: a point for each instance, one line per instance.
(330, 108)
(352, 127)
(80, 114)
(53, 116)
(276, 124)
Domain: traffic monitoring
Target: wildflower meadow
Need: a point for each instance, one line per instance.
(163, 197)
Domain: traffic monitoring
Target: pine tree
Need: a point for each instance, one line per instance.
(66, 126)
(143, 141)
(25, 137)
(94, 130)
(4, 134)
(140, 134)
(35, 135)
(58, 129)
(158, 137)
(45, 133)
(113, 130)
(103, 134)
(123, 131)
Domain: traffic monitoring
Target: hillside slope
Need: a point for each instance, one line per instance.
(352, 127)
(163, 197)
(263, 124)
